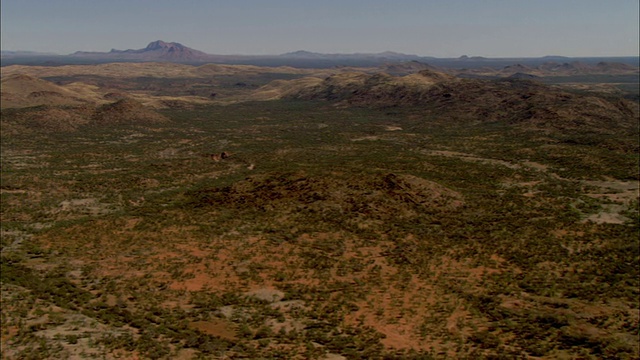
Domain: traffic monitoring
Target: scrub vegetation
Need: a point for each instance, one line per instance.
(311, 229)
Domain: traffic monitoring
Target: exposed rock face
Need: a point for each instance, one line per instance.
(161, 45)
(172, 51)
(221, 156)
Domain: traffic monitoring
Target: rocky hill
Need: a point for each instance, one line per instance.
(552, 68)
(408, 67)
(24, 90)
(57, 119)
(44, 118)
(516, 101)
(488, 69)
(126, 111)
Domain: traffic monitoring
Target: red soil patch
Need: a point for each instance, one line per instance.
(216, 327)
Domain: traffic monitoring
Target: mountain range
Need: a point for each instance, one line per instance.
(162, 51)
(175, 52)
(155, 51)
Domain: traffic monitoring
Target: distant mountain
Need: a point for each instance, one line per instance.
(10, 53)
(155, 51)
(303, 54)
(474, 58)
(554, 58)
(387, 55)
(175, 52)
(161, 51)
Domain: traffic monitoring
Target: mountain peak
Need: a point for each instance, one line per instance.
(156, 51)
(161, 45)
(172, 51)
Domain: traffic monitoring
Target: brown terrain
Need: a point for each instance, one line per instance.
(23, 91)
(519, 102)
(555, 69)
(39, 104)
(546, 69)
(159, 210)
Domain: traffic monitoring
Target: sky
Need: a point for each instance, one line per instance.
(440, 28)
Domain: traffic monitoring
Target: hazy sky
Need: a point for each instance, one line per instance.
(443, 28)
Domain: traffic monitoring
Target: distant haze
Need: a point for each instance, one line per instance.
(490, 28)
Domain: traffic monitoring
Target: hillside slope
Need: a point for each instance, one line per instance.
(24, 90)
(516, 101)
